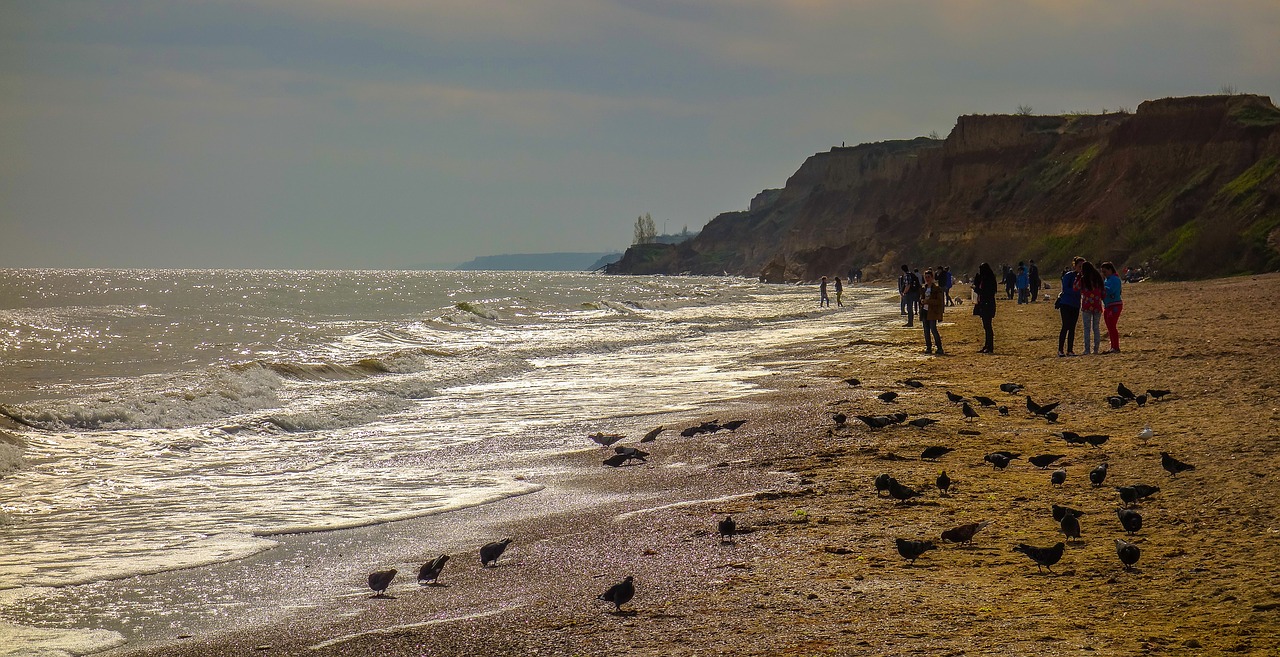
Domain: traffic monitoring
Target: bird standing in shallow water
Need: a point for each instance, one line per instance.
(490, 553)
(379, 580)
(620, 594)
(1128, 553)
(727, 529)
(430, 571)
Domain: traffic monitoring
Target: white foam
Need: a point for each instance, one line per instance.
(21, 641)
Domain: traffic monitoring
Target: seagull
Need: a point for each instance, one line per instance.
(379, 580)
(1058, 477)
(727, 529)
(1043, 461)
(1043, 556)
(491, 551)
(1129, 519)
(430, 571)
(963, 533)
(887, 396)
(1173, 466)
(1128, 553)
(934, 452)
(1098, 474)
(912, 550)
(1146, 433)
(606, 439)
(943, 482)
(620, 594)
(652, 435)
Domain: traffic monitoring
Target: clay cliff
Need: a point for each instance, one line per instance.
(1186, 187)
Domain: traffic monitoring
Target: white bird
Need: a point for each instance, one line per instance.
(1146, 433)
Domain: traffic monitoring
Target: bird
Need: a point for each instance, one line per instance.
(617, 460)
(922, 422)
(1173, 466)
(943, 482)
(1124, 391)
(963, 533)
(1098, 474)
(876, 421)
(1158, 395)
(840, 419)
(1070, 526)
(1042, 461)
(379, 580)
(491, 551)
(968, 410)
(955, 399)
(1096, 439)
(934, 452)
(1146, 433)
(1043, 556)
(620, 594)
(631, 452)
(1060, 512)
(912, 383)
(1071, 437)
(1128, 553)
(900, 492)
(1037, 409)
(1003, 410)
(1058, 477)
(1117, 402)
(606, 439)
(853, 381)
(888, 396)
(1011, 388)
(1000, 459)
(727, 529)
(1131, 494)
(911, 550)
(1129, 519)
(882, 483)
(430, 571)
(1140, 400)
(652, 435)
(984, 401)
(1051, 416)
(733, 425)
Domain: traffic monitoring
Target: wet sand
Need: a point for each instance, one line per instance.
(815, 570)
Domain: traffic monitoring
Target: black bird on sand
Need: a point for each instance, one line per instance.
(430, 571)
(934, 452)
(1141, 400)
(900, 492)
(912, 383)
(1011, 388)
(1096, 439)
(1058, 477)
(1060, 512)
(1072, 437)
(984, 401)
(1043, 461)
(606, 439)
(1117, 402)
(620, 594)
(1051, 416)
(379, 580)
(883, 482)
(943, 482)
(1124, 391)
(1173, 466)
(1098, 474)
(963, 533)
(1000, 459)
(727, 529)
(911, 550)
(1004, 410)
(1043, 556)
(1131, 520)
(840, 419)
(1128, 553)
(632, 453)
(953, 397)
(617, 460)
(887, 396)
(733, 425)
(652, 435)
(853, 382)
(491, 551)
(1158, 394)
(922, 422)
(1070, 526)
(876, 421)
(1131, 494)
(968, 410)
(1038, 409)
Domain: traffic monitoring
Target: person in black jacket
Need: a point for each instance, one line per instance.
(985, 285)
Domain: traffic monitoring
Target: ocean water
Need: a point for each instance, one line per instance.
(168, 419)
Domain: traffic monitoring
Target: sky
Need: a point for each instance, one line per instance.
(390, 134)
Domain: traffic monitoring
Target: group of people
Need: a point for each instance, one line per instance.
(911, 289)
(824, 301)
(1025, 281)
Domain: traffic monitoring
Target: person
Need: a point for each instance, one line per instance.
(1010, 282)
(839, 292)
(1089, 285)
(1111, 304)
(858, 275)
(1033, 274)
(823, 300)
(984, 284)
(947, 281)
(1024, 284)
(902, 290)
(1068, 305)
(932, 300)
(910, 286)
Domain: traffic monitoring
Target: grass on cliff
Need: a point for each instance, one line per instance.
(1257, 116)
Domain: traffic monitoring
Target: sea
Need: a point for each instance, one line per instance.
(167, 419)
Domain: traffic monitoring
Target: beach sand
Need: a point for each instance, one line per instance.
(815, 571)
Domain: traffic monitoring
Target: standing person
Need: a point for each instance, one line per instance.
(985, 285)
(1024, 284)
(911, 294)
(947, 281)
(932, 300)
(1089, 284)
(902, 289)
(1009, 281)
(1033, 273)
(1111, 304)
(1068, 304)
(823, 300)
(839, 292)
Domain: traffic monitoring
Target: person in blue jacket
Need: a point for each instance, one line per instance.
(1024, 285)
(1068, 304)
(1111, 304)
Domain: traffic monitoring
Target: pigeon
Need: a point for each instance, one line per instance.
(632, 453)
(706, 427)
(882, 483)
(1043, 556)
(1037, 409)
(944, 482)
(727, 529)
(968, 410)
(617, 460)
(1096, 439)
(1131, 494)
(379, 580)
(934, 452)
(1060, 512)
(955, 399)
(1071, 437)
(652, 435)
(1158, 395)
(1128, 553)
(985, 401)
(1051, 416)
(876, 421)
(620, 594)
(430, 571)
(911, 550)
(1011, 388)
(1117, 402)
(912, 383)
(1173, 466)
(1058, 477)
(887, 396)
(1004, 410)
(922, 422)
(491, 551)
(840, 419)
(1131, 520)
(1098, 474)
(1000, 459)
(853, 382)
(606, 439)
(901, 493)
(733, 425)
(1070, 526)
(1124, 392)
(963, 533)
(1140, 400)
(1042, 461)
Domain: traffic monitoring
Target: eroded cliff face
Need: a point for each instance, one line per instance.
(1188, 186)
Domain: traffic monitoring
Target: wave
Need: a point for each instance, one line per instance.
(11, 448)
(347, 413)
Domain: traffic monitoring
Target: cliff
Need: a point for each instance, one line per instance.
(1186, 186)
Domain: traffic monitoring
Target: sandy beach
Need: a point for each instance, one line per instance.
(814, 570)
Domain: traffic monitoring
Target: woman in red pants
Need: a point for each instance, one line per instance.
(1111, 304)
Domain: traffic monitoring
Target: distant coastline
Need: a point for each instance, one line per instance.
(565, 261)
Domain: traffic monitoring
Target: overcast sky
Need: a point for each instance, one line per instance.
(405, 133)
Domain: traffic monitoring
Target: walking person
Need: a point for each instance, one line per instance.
(911, 294)
(985, 285)
(1111, 304)
(1033, 274)
(839, 293)
(932, 300)
(1068, 305)
(947, 281)
(1010, 281)
(1024, 285)
(823, 300)
(1089, 284)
